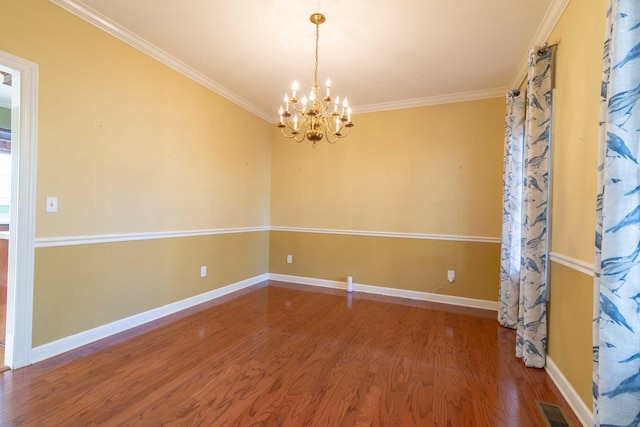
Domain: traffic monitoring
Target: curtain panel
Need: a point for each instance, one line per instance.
(616, 350)
(509, 298)
(523, 279)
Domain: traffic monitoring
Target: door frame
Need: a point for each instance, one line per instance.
(21, 260)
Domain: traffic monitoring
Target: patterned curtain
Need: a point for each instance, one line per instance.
(616, 350)
(530, 271)
(509, 299)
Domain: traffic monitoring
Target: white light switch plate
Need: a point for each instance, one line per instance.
(51, 205)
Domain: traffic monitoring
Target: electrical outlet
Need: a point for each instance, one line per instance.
(203, 271)
(289, 259)
(451, 276)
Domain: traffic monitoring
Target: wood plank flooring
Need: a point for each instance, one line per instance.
(289, 355)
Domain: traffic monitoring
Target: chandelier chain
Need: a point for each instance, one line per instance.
(317, 39)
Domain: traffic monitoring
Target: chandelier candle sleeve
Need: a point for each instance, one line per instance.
(313, 119)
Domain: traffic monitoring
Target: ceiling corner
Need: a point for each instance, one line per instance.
(551, 18)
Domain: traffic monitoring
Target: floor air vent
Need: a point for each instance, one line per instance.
(553, 415)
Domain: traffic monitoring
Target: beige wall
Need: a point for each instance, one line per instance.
(126, 143)
(401, 263)
(580, 33)
(435, 170)
(570, 314)
(84, 286)
(429, 170)
(576, 109)
(130, 146)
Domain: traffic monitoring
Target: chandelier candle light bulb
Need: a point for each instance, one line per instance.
(313, 121)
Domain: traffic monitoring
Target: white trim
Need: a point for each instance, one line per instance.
(5, 104)
(323, 283)
(83, 338)
(449, 237)
(573, 263)
(551, 18)
(584, 414)
(379, 290)
(432, 100)
(102, 22)
(47, 242)
(24, 130)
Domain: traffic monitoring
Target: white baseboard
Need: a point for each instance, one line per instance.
(379, 290)
(83, 338)
(581, 410)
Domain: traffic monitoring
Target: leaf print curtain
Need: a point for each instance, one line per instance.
(616, 350)
(509, 299)
(523, 284)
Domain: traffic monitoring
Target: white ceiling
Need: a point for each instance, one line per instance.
(382, 54)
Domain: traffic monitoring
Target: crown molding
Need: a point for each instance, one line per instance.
(432, 100)
(551, 18)
(95, 18)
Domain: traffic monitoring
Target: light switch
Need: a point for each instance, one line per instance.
(51, 205)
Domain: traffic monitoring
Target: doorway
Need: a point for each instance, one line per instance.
(5, 198)
(20, 265)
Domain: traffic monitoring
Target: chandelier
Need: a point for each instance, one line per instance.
(315, 118)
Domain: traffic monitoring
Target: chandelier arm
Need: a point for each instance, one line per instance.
(342, 126)
(332, 141)
(285, 135)
(347, 132)
(299, 110)
(291, 128)
(297, 137)
(327, 127)
(304, 118)
(324, 107)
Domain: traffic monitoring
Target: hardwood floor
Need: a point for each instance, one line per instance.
(290, 355)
